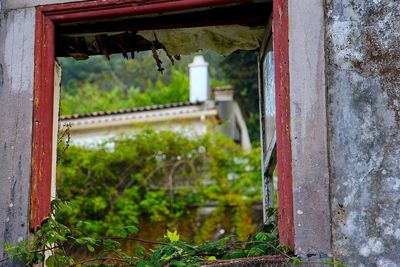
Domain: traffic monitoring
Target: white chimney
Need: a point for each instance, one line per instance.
(199, 80)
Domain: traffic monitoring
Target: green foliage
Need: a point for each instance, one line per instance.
(59, 239)
(129, 81)
(53, 242)
(136, 73)
(157, 177)
(97, 84)
(91, 97)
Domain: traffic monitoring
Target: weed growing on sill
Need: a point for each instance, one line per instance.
(53, 242)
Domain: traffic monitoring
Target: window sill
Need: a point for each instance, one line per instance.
(262, 261)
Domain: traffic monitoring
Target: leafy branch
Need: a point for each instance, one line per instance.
(53, 244)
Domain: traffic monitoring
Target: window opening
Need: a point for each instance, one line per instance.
(100, 100)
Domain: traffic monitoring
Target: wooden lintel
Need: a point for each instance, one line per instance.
(249, 14)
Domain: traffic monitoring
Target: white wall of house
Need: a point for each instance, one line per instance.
(94, 137)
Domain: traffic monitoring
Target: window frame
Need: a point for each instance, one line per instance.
(283, 129)
(42, 131)
(276, 151)
(268, 147)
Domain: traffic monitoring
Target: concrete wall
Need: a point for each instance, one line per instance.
(309, 129)
(363, 76)
(16, 105)
(15, 4)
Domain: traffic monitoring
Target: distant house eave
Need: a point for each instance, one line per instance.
(143, 115)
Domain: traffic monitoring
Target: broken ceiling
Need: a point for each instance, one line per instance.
(223, 29)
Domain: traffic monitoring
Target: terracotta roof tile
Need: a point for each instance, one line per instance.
(130, 110)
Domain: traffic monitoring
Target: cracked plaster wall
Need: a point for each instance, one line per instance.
(363, 77)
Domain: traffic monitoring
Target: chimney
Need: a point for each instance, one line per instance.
(223, 93)
(199, 80)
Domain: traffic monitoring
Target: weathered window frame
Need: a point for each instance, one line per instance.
(276, 148)
(268, 143)
(42, 144)
(283, 132)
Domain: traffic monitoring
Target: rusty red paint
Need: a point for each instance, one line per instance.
(46, 17)
(284, 156)
(42, 120)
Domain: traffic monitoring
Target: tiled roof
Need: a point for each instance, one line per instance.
(130, 110)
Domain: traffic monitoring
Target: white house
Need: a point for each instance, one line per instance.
(207, 110)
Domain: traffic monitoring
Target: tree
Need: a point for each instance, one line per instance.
(119, 72)
(93, 97)
(131, 81)
(155, 179)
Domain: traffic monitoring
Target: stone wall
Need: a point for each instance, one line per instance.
(363, 77)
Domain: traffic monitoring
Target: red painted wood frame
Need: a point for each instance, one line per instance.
(282, 94)
(47, 16)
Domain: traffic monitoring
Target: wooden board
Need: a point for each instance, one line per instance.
(284, 151)
(42, 132)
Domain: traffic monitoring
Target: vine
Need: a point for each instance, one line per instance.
(53, 243)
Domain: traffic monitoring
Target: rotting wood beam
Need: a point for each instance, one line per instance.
(244, 14)
(71, 38)
(105, 10)
(122, 43)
